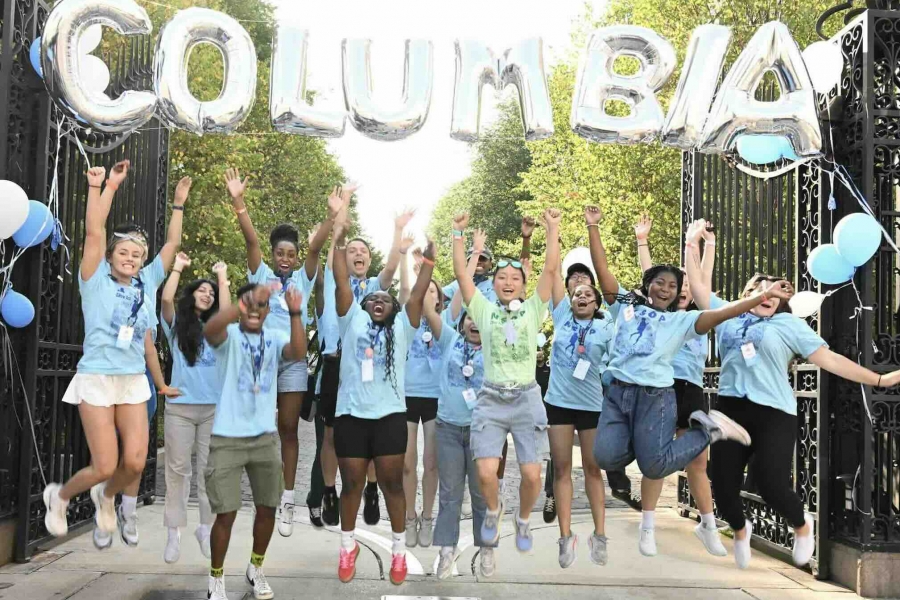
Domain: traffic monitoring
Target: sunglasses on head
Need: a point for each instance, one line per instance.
(509, 263)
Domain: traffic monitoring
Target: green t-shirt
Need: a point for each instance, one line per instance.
(508, 339)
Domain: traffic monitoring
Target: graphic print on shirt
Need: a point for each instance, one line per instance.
(457, 361)
(565, 354)
(428, 351)
(127, 300)
(205, 357)
(637, 337)
(266, 364)
(359, 287)
(373, 339)
(502, 351)
(745, 328)
(696, 346)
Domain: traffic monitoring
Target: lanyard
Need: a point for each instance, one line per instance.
(469, 360)
(359, 286)
(748, 325)
(256, 359)
(138, 302)
(375, 332)
(582, 333)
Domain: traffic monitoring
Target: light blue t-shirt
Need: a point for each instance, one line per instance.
(456, 354)
(106, 306)
(423, 366)
(691, 360)
(380, 397)
(279, 316)
(242, 411)
(644, 346)
(329, 332)
(565, 390)
(199, 384)
(776, 341)
(485, 286)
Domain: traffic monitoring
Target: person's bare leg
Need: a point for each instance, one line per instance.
(593, 481)
(99, 426)
(562, 439)
(410, 466)
(430, 475)
(288, 420)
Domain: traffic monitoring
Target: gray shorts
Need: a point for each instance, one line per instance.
(519, 411)
(292, 376)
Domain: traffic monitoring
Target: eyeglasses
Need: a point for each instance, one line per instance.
(509, 263)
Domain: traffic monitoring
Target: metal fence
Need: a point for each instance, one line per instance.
(46, 353)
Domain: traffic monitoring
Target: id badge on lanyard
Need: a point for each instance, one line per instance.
(126, 332)
(748, 351)
(470, 397)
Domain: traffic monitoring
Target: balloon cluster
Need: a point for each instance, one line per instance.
(856, 240)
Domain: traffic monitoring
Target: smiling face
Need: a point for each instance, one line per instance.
(470, 331)
(509, 284)
(584, 302)
(663, 290)
(380, 306)
(253, 315)
(204, 297)
(359, 259)
(484, 265)
(126, 260)
(285, 255)
(685, 298)
(767, 308)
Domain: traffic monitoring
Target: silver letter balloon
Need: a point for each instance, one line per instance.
(394, 123)
(61, 62)
(736, 111)
(522, 66)
(177, 106)
(598, 83)
(287, 89)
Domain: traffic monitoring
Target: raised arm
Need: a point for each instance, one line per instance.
(340, 196)
(343, 293)
(176, 221)
(552, 218)
(236, 189)
(98, 206)
(528, 225)
(711, 318)
(479, 239)
(700, 286)
(405, 244)
(224, 291)
(709, 254)
(609, 285)
(182, 261)
(319, 291)
(433, 318)
(846, 368)
(642, 235)
(386, 277)
(417, 296)
(296, 350)
(216, 329)
(466, 283)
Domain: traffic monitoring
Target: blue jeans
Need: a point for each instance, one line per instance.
(638, 422)
(455, 462)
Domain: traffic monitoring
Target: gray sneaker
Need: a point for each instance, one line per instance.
(412, 532)
(102, 540)
(567, 550)
(720, 427)
(127, 527)
(486, 565)
(597, 544)
(448, 556)
(426, 532)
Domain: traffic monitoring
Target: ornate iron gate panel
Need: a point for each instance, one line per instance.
(46, 353)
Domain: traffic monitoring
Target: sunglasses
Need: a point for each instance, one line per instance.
(509, 263)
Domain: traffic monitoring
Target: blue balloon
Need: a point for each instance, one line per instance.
(16, 310)
(857, 237)
(37, 226)
(35, 54)
(827, 265)
(765, 149)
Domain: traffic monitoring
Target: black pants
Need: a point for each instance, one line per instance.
(316, 480)
(774, 434)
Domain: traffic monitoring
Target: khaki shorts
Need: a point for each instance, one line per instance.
(229, 457)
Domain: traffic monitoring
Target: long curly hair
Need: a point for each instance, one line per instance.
(188, 325)
(387, 325)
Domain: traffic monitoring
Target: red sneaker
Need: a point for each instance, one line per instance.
(347, 564)
(398, 568)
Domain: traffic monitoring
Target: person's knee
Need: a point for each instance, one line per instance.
(610, 458)
(591, 470)
(133, 462)
(562, 470)
(287, 431)
(652, 468)
(697, 467)
(531, 476)
(391, 484)
(265, 513)
(104, 467)
(226, 520)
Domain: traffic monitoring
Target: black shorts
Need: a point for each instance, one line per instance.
(688, 397)
(328, 390)
(370, 438)
(421, 409)
(583, 420)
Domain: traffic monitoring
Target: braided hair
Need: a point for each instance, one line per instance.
(598, 299)
(388, 326)
(188, 327)
(649, 275)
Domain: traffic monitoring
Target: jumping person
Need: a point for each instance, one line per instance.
(688, 367)
(639, 413)
(756, 349)
(509, 400)
(370, 418)
(244, 431)
(189, 417)
(110, 387)
(574, 401)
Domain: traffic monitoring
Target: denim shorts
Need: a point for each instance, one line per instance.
(502, 411)
(292, 376)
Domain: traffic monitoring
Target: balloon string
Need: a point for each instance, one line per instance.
(857, 312)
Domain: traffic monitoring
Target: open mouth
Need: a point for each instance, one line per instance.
(284, 267)
(508, 291)
(474, 330)
(766, 305)
(359, 264)
(378, 310)
(582, 303)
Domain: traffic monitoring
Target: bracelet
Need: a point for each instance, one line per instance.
(597, 225)
(176, 271)
(879, 382)
(643, 245)
(99, 187)
(402, 252)
(428, 261)
(710, 244)
(240, 211)
(295, 313)
(457, 233)
(178, 207)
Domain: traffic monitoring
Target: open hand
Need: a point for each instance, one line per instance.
(406, 242)
(403, 219)
(182, 260)
(593, 215)
(479, 239)
(294, 299)
(182, 190)
(255, 298)
(233, 183)
(96, 175)
(642, 228)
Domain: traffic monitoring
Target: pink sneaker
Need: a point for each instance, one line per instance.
(398, 568)
(347, 564)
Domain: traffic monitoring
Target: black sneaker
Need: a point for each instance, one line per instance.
(549, 509)
(371, 511)
(331, 508)
(630, 498)
(315, 516)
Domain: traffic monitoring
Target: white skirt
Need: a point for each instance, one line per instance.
(107, 390)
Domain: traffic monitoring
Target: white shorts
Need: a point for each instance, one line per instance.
(107, 390)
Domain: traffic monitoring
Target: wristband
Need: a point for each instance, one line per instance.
(597, 225)
(710, 243)
(295, 313)
(428, 261)
(176, 271)
(457, 234)
(178, 207)
(402, 252)
(643, 245)
(879, 382)
(240, 211)
(99, 187)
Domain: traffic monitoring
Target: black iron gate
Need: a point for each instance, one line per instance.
(39, 436)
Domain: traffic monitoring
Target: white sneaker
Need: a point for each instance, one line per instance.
(446, 559)
(711, 540)
(466, 504)
(172, 552)
(486, 564)
(55, 519)
(647, 544)
(202, 534)
(127, 527)
(215, 589)
(257, 579)
(805, 546)
(104, 508)
(742, 548)
(721, 427)
(286, 519)
(102, 539)
(597, 544)
(412, 532)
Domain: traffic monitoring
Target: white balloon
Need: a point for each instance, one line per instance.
(13, 208)
(578, 255)
(825, 64)
(806, 304)
(90, 39)
(94, 73)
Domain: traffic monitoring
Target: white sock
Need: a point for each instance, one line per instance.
(204, 530)
(648, 519)
(129, 505)
(521, 521)
(493, 513)
(348, 540)
(287, 497)
(708, 520)
(398, 545)
(173, 533)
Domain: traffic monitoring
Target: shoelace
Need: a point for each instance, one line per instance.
(219, 586)
(259, 581)
(315, 512)
(287, 511)
(346, 559)
(550, 506)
